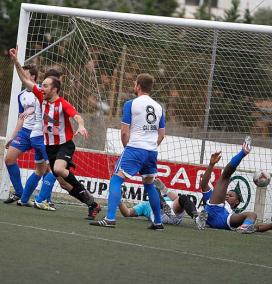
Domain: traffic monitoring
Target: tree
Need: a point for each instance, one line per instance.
(9, 19)
(248, 19)
(203, 11)
(232, 14)
(263, 16)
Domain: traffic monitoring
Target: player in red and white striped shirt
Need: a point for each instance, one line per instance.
(58, 133)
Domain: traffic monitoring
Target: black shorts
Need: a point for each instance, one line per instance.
(63, 151)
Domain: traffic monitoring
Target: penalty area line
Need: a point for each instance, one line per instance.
(213, 258)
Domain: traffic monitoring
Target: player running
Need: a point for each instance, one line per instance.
(142, 131)
(220, 203)
(58, 133)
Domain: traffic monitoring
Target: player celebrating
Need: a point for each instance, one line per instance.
(220, 203)
(58, 133)
(22, 140)
(142, 131)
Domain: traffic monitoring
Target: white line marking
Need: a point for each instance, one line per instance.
(140, 245)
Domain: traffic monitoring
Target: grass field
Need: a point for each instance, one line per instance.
(60, 247)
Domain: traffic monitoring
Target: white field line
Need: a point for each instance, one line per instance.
(213, 258)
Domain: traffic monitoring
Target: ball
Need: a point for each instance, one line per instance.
(261, 178)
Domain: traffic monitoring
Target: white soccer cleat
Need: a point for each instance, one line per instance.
(27, 204)
(201, 219)
(247, 145)
(246, 229)
(43, 206)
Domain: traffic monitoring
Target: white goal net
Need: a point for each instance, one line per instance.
(214, 83)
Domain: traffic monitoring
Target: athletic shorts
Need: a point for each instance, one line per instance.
(143, 209)
(218, 216)
(136, 160)
(23, 142)
(40, 151)
(63, 151)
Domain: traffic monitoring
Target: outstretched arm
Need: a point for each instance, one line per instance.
(21, 73)
(81, 128)
(215, 157)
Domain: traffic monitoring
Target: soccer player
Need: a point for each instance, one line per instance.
(43, 200)
(58, 133)
(220, 203)
(22, 141)
(142, 131)
(173, 213)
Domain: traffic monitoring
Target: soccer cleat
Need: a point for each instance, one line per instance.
(27, 204)
(247, 145)
(156, 227)
(12, 198)
(52, 205)
(246, 229)
(103, 223)
(93, 211)
(43, 206)
(166, 209)
(160, 186)
(200, 220)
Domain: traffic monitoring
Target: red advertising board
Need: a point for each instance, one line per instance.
(101, 166)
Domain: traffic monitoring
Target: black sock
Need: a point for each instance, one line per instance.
(71, 179)
(187, 205)
(83, 195)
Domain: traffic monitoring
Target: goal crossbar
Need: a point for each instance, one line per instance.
(128, 17)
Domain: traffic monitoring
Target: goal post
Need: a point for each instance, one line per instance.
(213, 79)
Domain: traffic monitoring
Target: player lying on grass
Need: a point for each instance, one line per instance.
(220, 203)
(173, 208)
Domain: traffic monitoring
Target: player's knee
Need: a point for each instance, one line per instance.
(10, 160)
(148, 180)
(59, 170)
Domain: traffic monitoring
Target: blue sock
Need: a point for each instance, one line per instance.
(114, 196)
(154, 201)
(236, 160)
(30, 186)
(15, 178)
(46, 189)
(248, 222)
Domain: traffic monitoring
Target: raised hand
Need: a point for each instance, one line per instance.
(215, 157)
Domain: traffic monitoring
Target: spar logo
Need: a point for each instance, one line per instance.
(241, 186)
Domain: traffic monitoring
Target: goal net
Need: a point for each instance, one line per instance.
(214, 83)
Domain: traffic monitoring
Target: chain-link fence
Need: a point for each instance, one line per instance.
(5, 88)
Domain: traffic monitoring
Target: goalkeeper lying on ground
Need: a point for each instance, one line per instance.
(221, 203)
(173, 208)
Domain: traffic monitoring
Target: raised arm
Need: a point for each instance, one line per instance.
(215, 157)
(21, 73)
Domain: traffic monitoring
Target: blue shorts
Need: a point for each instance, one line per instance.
(23, 142)
(143, 209)
(218, 217)
(136, 160)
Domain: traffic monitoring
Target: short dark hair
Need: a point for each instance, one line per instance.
(55, 82)
(33, 70)
(53, 72)
(145, 81)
